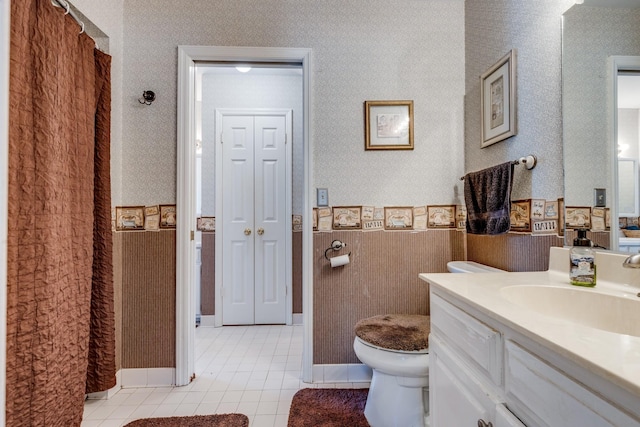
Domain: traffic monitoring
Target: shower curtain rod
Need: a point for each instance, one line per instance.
(67, 7)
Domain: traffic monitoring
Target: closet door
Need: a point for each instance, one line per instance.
(254, 219)
(238, 220)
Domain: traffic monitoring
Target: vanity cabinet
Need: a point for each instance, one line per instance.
(483, 373)
(465, 371)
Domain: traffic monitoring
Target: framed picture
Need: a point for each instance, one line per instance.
(521, 215)
(206, 223)
(398, 218)
(347, 217)
(129, 218)
(388, 125)
(167, 216)
(578, 217)
(441, 216)
(498, 97)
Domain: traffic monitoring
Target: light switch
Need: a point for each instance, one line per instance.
(600, 197)
(322, 196)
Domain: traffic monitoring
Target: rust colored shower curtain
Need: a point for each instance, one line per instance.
(60, 317)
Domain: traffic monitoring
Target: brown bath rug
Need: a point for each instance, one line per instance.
(217, 420)
(328, 407)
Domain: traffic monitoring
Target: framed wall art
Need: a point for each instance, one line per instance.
(521, 215)
(578, 217)
(442, 216)
(129, 218)
(347, 217)
(499, 102)
(398, 218)
(388, 125)
(167, 216)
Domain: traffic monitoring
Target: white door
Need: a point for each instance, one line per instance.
(255, 217)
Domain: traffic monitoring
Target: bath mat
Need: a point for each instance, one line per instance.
(217, 420)
(328, 407)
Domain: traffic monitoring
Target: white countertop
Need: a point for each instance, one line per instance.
(615, 357)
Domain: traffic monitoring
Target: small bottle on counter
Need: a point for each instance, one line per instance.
(582, 270)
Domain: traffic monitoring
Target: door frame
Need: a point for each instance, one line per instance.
(185, 202)
(616, 64)
(220, 113)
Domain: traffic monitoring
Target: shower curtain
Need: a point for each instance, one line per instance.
(60, 317)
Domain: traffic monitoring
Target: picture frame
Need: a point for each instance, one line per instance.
(498, 101)
(521, 215)
(398, 218)
(206, 223)
(441, 216)
(347, 217)
(388, 125)
(578, 217)
(129, 218)
(168, 216)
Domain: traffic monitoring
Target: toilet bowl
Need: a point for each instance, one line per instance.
(471, 267)
(398, 394)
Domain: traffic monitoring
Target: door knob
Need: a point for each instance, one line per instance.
(247, 231)
(261, 231)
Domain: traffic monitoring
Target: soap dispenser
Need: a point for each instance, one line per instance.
(582, 270)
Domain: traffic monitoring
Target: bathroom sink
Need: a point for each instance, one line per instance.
(588, 307)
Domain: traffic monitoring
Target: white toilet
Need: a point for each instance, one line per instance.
(471, 267)
(398, 394)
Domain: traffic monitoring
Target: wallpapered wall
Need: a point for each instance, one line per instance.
(107, 16)
(406, 49)
(591, 35)
(493, 28)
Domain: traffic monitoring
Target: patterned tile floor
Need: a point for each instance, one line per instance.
(254, 370)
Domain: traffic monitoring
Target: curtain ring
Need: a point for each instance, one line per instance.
(82, 31)
(68, 7)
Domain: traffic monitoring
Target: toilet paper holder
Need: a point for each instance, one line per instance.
(336, 245)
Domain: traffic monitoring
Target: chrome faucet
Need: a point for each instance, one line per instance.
(632, 261)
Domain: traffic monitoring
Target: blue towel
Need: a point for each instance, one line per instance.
(487, 195)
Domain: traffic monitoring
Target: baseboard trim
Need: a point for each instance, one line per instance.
(148, 377)
(107, 394)
(341, 373)
(208, 320)
(297, 318)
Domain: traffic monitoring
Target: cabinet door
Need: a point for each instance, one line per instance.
(455, 399)
(504, 418)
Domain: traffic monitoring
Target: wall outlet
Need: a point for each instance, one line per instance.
(322, 196)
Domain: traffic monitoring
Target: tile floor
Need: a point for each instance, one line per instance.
(254, 370)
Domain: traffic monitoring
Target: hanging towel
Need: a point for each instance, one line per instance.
(487, 194)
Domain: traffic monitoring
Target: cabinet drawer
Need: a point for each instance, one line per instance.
(476, 342)
(543, 396)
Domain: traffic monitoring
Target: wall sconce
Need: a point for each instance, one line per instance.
(147, 97)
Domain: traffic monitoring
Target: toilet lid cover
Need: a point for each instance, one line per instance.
(402, 332)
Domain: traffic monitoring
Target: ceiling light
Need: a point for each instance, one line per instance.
(243, 69)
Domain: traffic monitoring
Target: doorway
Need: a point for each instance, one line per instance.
(254, 198)
(624, 143)
(188, 56)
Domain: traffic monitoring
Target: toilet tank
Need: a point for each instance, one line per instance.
(471, 267)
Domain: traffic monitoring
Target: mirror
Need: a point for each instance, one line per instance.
(592, 34)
